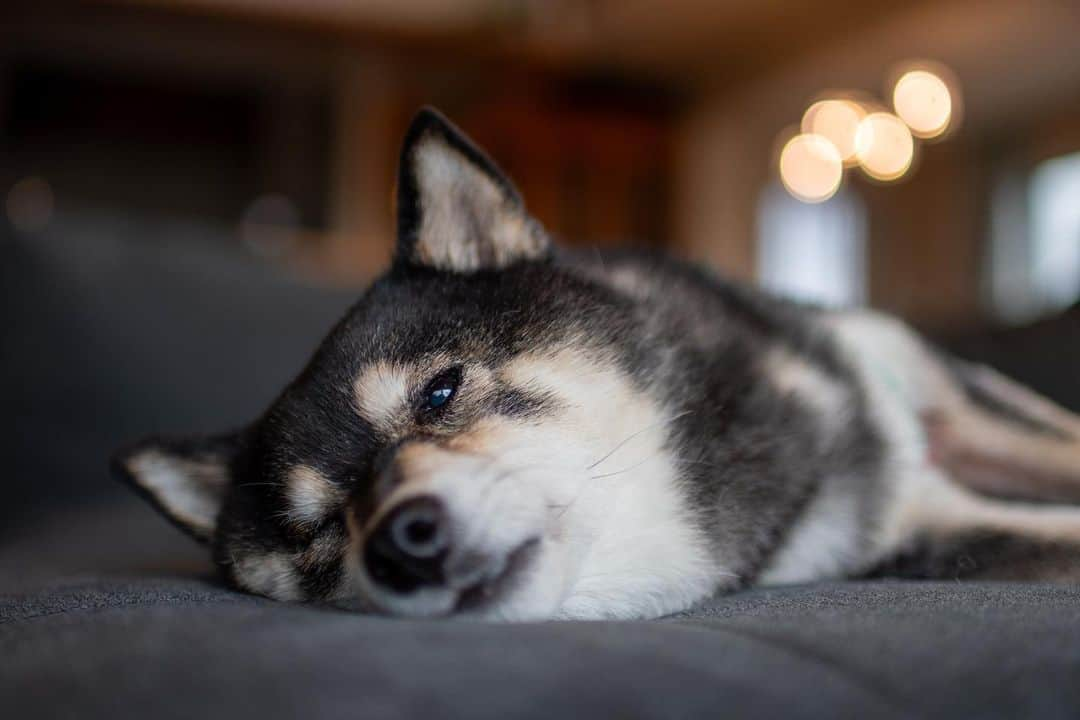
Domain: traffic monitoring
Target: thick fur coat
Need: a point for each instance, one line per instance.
(503, 429)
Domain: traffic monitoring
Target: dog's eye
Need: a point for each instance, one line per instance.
(439, 396)
(440, 390)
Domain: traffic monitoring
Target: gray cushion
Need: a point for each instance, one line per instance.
(110, 330)
(111, 613)
(157, 647)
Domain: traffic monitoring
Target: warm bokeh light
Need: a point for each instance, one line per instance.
(836, 120)
(30, 204)
(923, 101)
(811, 167)
(884, 146)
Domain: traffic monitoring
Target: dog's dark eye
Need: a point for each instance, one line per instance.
(439, 396)
(440, 390)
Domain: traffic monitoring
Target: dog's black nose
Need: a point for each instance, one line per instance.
(408, 546)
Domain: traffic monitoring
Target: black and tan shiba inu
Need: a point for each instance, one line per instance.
(503, 429)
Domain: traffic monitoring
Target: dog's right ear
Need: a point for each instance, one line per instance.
(185, 478)
(457, 211)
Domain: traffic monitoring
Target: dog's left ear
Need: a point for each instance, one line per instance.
(187, 479)
(456, 209)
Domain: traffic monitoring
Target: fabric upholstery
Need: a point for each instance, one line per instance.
(174, 643)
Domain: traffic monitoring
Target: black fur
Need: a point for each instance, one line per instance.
(754, 457)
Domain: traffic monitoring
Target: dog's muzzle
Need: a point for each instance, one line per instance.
(409, 546)
(419, 564)
(453, 534)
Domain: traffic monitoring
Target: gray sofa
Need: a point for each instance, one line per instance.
(107, 611)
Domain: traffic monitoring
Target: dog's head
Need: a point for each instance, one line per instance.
(472, 438)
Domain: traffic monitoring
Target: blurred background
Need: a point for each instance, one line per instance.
(193, 189)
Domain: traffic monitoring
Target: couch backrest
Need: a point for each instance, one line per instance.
(114, 329)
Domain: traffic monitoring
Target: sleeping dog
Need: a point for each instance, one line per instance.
(504, 429)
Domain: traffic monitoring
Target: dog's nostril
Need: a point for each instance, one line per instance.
(408, 546)
(418, 529)
(416, 536)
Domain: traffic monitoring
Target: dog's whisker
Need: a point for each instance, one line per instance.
(635, 466)
(638, 433)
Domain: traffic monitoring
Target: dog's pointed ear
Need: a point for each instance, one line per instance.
(187, 479)
(456, 210)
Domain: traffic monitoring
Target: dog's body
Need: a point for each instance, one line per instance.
(500, 429)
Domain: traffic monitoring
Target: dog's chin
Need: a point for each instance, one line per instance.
(503, 593)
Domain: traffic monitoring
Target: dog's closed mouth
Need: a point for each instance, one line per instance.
(488, 590)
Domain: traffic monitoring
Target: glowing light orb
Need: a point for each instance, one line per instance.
(884, 146)
(923, 101)
(837, 121)
(811, 168)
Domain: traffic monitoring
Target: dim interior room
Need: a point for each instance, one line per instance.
(975, 231)
(661, 145)
(621, 122)
(194, 192)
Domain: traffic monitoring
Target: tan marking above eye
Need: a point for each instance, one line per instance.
(310, 495)
(382, 392)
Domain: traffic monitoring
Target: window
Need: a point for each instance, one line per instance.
(1055, 231)
(814, 253)
(1035, 243)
